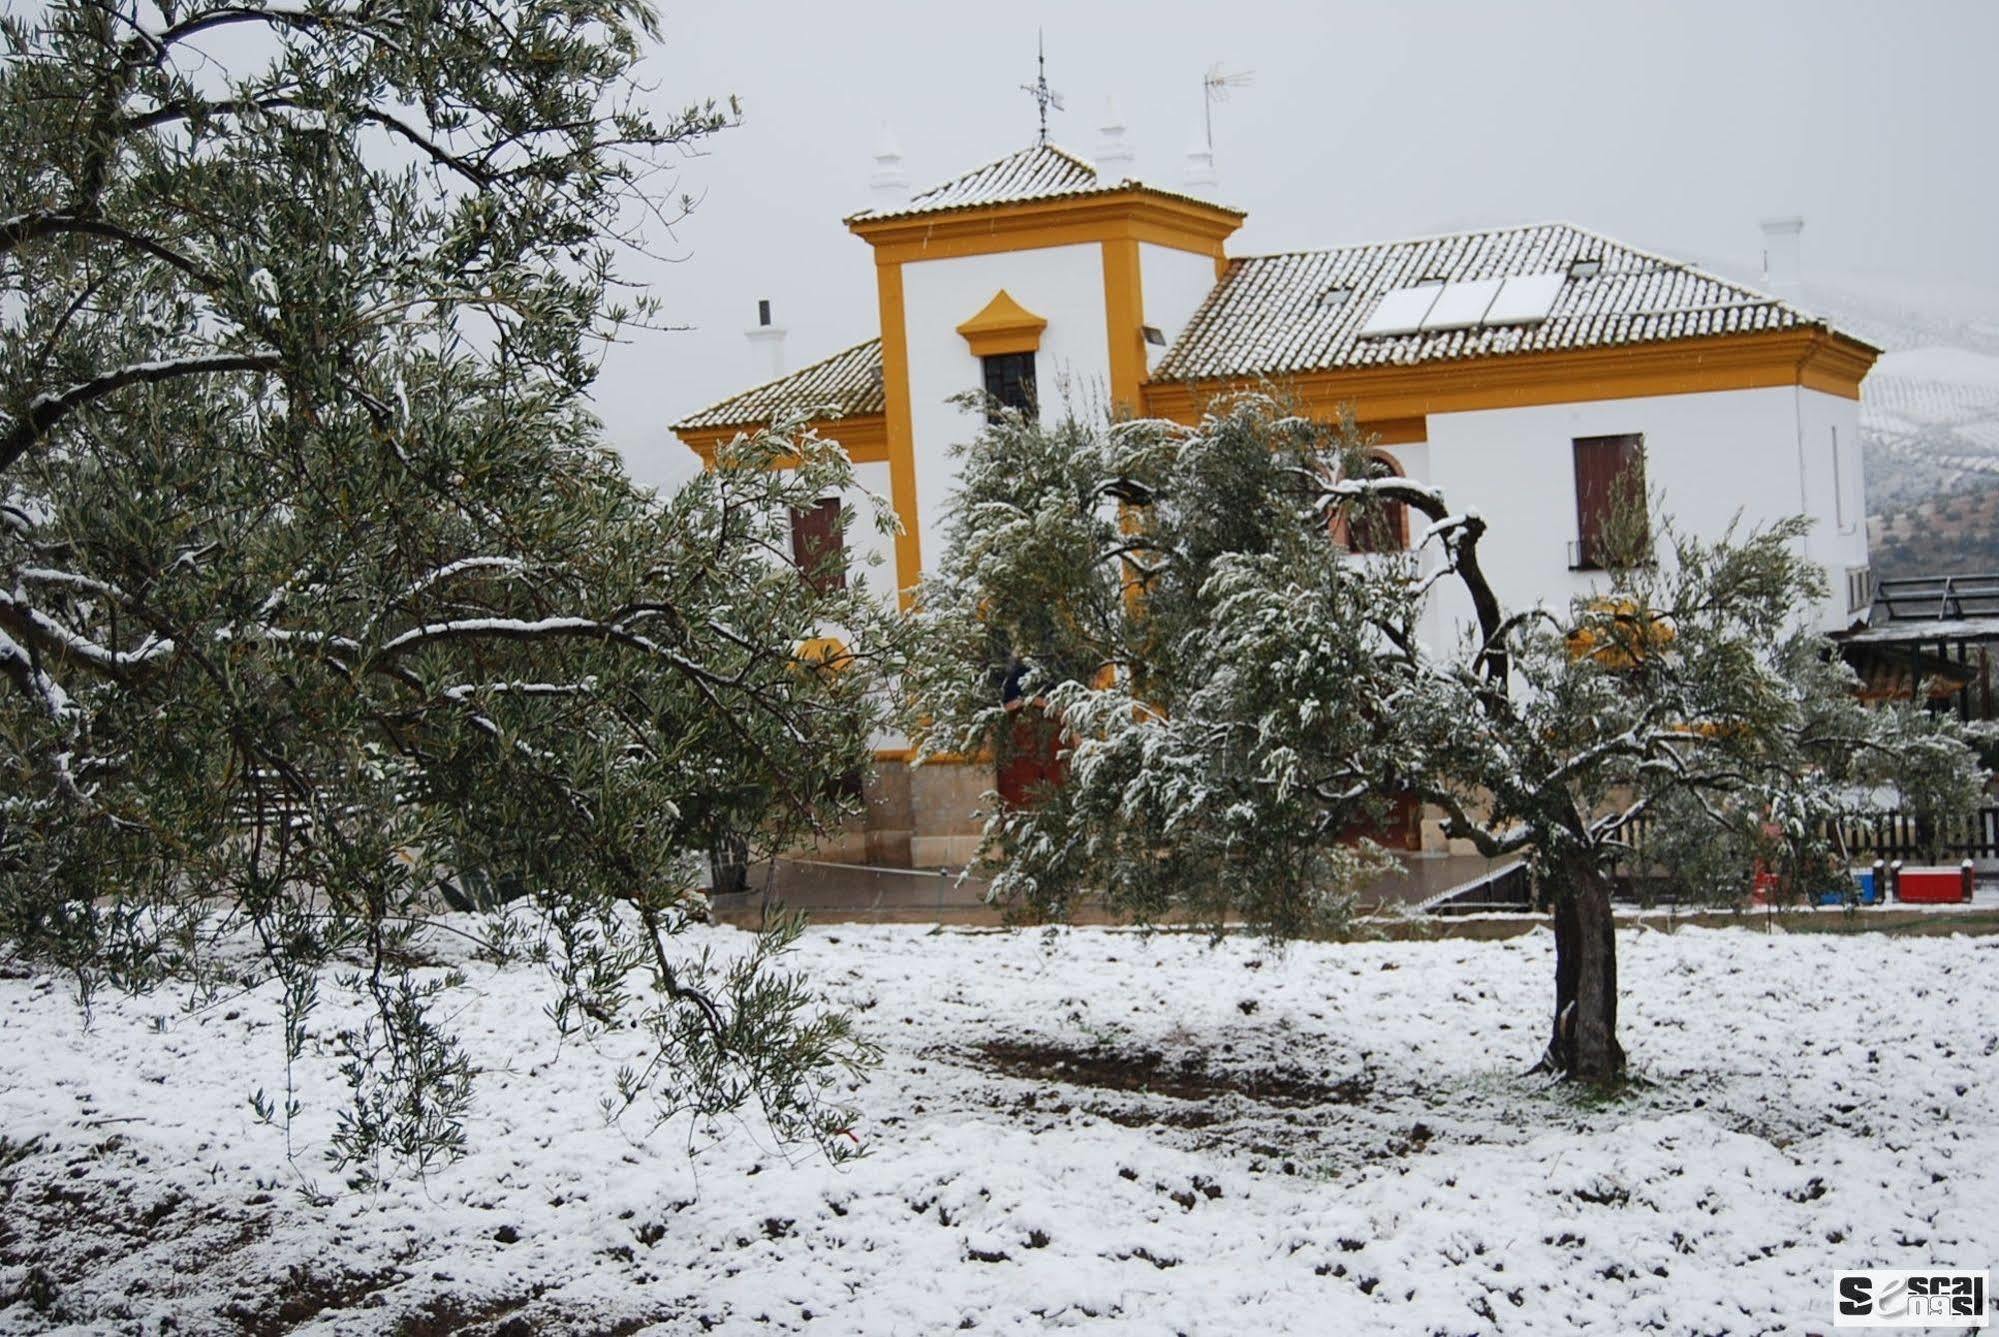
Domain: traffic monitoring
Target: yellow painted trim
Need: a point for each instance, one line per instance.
(1003, 326)
(1815, 358)
(1136, 214)
(1396, 431)
(1124, 323)
(864, 436)
(900, 431)
(907, 755)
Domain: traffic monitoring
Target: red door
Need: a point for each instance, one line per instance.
(1031, 761)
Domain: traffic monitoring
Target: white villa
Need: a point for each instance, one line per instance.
(1522, 370)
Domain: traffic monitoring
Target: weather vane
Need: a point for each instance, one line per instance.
(1215, 86)
(1044, 96)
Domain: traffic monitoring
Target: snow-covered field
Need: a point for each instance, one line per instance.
(1070, 1128)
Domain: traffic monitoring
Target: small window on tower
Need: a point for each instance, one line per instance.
(818, 546)
(1010, 381)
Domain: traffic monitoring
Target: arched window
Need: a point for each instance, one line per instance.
(1381, 526)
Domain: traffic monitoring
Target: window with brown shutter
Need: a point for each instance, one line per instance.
(817, 545)
(1610, 472)
(1384, 525)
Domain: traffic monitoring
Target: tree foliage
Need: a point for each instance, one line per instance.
(1234, 691)
(322, 597)
(1170, 597)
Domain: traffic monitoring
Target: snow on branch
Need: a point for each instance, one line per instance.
(19, 665)
(511, 565)
(47, 409)
(54, 635)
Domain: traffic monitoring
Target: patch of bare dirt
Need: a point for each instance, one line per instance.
(1191, 1076)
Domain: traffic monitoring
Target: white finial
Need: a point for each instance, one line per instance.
(888, 183)
(1200, 173)
(1114, 151)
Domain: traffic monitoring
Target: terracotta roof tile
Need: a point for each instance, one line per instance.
(845, 385)
(1270, 314)
(1037, 172)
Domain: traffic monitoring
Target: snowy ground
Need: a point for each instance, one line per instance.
(1070, 1128)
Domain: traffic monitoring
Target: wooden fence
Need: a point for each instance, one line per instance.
(1896, 835)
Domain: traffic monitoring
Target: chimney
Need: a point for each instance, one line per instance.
(1781, 268)
(1114, 152)
(1199, 177)
(888, 184)
(766, 345)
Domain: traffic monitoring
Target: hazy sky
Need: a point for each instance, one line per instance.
(1674, 126)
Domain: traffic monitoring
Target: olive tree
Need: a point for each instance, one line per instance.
(323, 599)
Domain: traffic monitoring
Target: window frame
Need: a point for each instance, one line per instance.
(1029, 405)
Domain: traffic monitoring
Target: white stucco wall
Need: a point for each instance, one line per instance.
(1834, 490)
(1707, 457)
(1171, 285)
(1062, 284)
(870, 553)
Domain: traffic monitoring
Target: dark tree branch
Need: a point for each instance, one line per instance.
(46, 410)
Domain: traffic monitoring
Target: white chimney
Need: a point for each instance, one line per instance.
(1200, 174)
(766, 345)
(1781, 266)
(888, 184)
(1114, 151)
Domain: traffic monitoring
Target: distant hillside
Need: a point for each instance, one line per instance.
(1929, 418)
(1954, 532)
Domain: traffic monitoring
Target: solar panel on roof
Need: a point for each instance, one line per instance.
(1462, 305)
(1525, 299)
(1401, 311)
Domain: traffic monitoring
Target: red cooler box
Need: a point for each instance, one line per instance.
(1933, 886)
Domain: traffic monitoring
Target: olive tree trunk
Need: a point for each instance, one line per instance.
(1583, 1043)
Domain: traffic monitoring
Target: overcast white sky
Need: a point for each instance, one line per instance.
(1669, 125)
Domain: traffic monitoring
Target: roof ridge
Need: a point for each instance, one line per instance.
(1425, 237)
(990, 163)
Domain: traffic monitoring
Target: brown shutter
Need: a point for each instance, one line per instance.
(1606, 467)
(1383, 526)
(816, 545)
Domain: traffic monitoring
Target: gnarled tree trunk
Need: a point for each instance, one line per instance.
(1583, 1043)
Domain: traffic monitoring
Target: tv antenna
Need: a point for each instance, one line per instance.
(1044, 96)
(1215, 86)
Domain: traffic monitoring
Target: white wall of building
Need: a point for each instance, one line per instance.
(1833, 489)
(870, 553)
(1708, 457)
(1062, 284)
(1171, 285)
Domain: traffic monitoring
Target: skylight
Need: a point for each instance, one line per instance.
(1587, 268)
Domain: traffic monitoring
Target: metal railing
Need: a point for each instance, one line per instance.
(1937, 598)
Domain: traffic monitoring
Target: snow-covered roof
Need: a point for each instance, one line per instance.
(1037, 172)
(1304, 311)
(845, 385)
